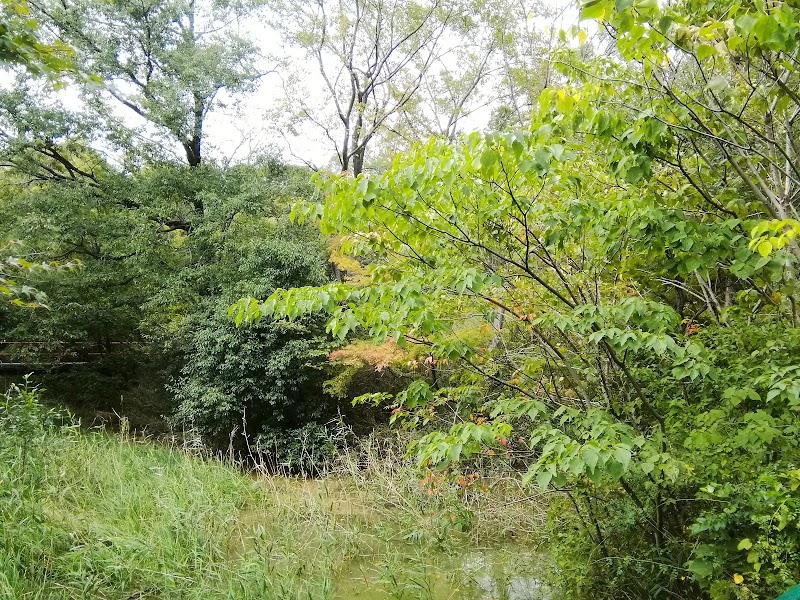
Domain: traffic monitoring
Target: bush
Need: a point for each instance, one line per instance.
(24, 427)
(731, 521)
(308, 450)
(248, 382)
(24, 423)
(232, 385)
(164, 251)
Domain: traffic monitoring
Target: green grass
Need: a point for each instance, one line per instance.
(91, 515)
(114, 518)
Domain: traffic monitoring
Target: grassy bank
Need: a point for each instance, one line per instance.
(91, 515)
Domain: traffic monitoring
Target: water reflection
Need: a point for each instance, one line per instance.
(504, 579)
(505, 574)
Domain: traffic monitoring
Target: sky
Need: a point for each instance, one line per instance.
(234, 135)
(243, 126)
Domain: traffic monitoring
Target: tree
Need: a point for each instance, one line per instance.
(167, 61)
(226, 381)
(88, 348)
(372, 56)
(20, 45)
(526, 34)
(267, 380)
(155, 242)
(454, 91)
(726, 87)
(147, 308)
(645, 368)
(20, 42)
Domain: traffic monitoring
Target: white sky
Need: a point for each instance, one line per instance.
(239, 127)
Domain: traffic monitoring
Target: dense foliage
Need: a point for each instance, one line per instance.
(268, 379)
(599, 301)
(147, 305)
(615, 291)
(20, 42)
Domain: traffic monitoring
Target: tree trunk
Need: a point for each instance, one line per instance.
(358, 160)
(193, 145)
(192, 148)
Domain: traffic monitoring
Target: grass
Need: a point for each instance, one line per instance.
(92, 515)
(121, 519)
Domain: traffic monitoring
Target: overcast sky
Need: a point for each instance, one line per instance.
(235, 135)
(239, 127)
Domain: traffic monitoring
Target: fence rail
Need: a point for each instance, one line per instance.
(37, 356)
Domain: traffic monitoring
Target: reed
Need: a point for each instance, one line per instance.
(98, 515)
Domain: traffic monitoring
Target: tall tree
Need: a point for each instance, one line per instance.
(727, 84)
(526, 34)
(371, 57)
(166, 60)
(457, 85)
(20, 46)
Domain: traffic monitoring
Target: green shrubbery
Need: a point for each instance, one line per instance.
(604, 303)
(24, 535)
(147, 309)
(611, 294)
(734, 509)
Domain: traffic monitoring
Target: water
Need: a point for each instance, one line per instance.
(496, 574)
(352, 544)
(505, 579)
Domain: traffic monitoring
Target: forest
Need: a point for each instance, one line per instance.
(399, 299)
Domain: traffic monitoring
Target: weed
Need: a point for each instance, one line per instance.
(93, 515)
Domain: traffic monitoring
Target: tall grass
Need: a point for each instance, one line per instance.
(92, 515)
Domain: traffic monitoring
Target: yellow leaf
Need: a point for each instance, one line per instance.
(738, 579)
(764, 248)
(745, 544)
(581, 38)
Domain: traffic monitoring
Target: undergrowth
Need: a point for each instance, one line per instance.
(94, 515)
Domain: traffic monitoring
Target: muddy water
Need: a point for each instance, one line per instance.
(497, 574)
(385, 562)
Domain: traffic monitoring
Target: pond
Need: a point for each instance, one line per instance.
(374, 550)
(489, 574)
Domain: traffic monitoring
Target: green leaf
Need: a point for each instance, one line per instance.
(664, 23)
(745, 544)
(590, 456)
(717, 83)
(704, 51)
(543, 479)
(700, 568)
(623, 456)
(595, 9)
(745, 23)
(488, 159)
(576, 465)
